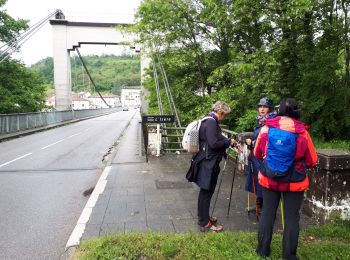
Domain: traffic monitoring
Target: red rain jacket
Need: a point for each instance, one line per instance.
(305, 152)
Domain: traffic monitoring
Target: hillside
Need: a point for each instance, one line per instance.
(109, 72)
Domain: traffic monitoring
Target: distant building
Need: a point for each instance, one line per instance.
(111, 100)
(50, 101)
(85, 95)
(130, 96)
(84, 100)
(79, 103)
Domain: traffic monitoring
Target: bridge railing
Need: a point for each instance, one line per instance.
(10, 123)
(171, 141)
(172, 137)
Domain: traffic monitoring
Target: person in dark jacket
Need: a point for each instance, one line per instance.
(290, 188)
(212, 147)
(265, 111)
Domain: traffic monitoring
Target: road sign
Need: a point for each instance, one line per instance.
(158, 119)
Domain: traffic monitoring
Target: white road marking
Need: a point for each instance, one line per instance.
(74, 239)
(1, 165)
(73, 135)
(47, 146)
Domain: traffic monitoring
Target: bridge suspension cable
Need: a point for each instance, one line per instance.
(8, 48)
(168, 91)
(89, 75)
(159, 96)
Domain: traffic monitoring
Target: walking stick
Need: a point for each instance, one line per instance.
(217, 194)
(233, 179)
(255, 201)
(248, 203)
(282, 211)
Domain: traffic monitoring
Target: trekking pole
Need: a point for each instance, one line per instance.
(217, 194)
(282, 211)
(252, 174)
(255, 201)
(248, 203)
(233, 179)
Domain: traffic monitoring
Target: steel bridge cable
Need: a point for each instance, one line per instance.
(166, 88)
(170, 105)
(30, 28)
(92, 81)
(159, 97)
(170, 98)
(11, 48)
(169, 90)
(31, 31)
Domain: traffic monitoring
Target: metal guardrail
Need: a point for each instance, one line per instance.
(171, 146)
(10, 123)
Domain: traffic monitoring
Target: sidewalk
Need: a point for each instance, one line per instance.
(155, 196)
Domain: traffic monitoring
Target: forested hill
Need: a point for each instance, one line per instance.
(109, 72)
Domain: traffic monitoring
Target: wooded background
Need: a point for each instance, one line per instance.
(241, 50)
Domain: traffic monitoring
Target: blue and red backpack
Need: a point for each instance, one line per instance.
(280, 156)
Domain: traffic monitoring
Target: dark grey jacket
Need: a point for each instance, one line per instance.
(212, 146)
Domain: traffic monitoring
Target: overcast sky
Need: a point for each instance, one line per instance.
(39, 46)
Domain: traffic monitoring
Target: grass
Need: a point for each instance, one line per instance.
(320, 242)
(334, 144)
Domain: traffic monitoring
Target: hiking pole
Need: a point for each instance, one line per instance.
(248, 203)
(217, 194)
(282, 211)
(233, 179)
(255, 201)
(252, 176)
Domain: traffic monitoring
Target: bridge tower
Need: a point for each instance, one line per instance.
(69, 35)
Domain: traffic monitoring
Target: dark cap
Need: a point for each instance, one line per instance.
(265, 102)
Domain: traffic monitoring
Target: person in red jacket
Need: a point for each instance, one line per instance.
(291, 187)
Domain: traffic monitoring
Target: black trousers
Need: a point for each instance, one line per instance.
(204, 199)
(292, 203)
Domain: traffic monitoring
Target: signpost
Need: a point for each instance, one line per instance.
(158, 119)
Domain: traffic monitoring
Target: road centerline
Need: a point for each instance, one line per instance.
(73, 135)
(16, 159)
(47, 146)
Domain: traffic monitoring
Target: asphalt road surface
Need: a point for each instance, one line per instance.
(42, 179)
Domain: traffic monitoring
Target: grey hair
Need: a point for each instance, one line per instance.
(221, 107)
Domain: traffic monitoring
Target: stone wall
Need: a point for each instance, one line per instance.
(329, 194)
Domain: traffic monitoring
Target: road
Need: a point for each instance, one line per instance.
(42, 180)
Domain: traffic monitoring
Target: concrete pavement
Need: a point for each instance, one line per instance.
(133, 195)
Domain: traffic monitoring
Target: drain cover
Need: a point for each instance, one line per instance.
(173, 184)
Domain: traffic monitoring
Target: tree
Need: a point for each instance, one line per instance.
(9, 27)
(107, 71)
(241, 50)
(21, 90)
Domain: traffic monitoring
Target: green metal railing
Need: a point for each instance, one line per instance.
(171, 141)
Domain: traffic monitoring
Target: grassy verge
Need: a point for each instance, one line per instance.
(334, 144)
(321, 242)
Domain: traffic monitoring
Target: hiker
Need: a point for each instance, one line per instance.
(265, 111)
(212, 147)
(287, 150)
